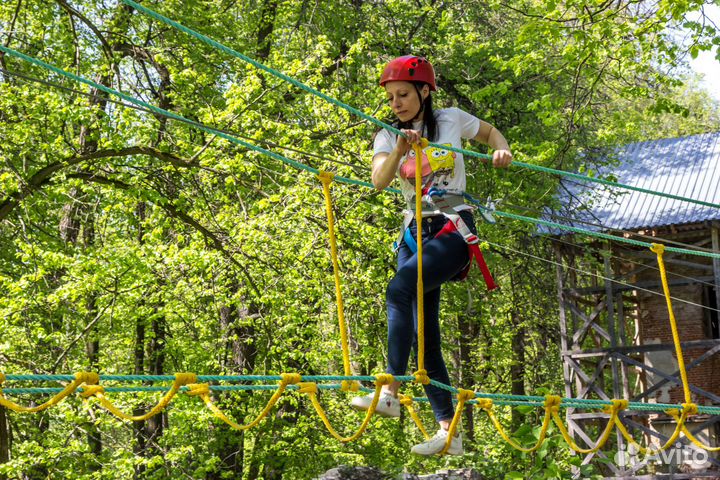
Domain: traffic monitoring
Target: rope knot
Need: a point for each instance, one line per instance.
(424, 142)
(405, 400)
(465, 395)
(290, 378)
(198, 389)
(485, 403)
(2, 378)
(326, 177)
(552, 402)
(184, 378)
(619, 404)
(308, 387)
(350, 386)
(88, 378)
(657, 248)
(421, 376)
(91, 390)
(690, 408)
(384, 379)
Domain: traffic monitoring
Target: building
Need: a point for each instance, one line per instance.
(616, 335)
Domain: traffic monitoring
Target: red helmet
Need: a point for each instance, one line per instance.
(409, 68)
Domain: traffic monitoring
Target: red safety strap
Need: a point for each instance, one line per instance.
(475, 253)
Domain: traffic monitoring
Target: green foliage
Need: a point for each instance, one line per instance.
(194, 254)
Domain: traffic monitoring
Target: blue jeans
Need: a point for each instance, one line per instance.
(443, 258)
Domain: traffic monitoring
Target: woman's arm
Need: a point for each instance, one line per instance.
(491, 136)
(384, 165)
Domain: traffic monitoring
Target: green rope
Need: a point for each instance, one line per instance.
(381, 124)
(498, 399)
(314, 170)
(175, 116)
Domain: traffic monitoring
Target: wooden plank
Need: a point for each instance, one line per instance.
(654, 347)
(714, 232)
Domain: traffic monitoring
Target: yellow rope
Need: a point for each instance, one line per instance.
(421, 374)
(462, 396)
(688, 409)
(98, 392)
(202, 390)
(312, 390)
(486, 404)
(659, 249)
(326, 178)
(689, 435)
(408, 403)
(613, 410)
(88, 378)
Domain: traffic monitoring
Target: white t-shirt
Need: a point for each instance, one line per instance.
(441, 168)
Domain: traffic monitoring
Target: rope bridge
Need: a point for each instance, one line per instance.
(87, 384)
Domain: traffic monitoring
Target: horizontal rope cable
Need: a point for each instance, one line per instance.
(390, 128)
(174, 116)
(337, 178)
(597, 275)
(498, 398)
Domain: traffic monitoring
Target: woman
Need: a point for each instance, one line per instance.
(408, 82)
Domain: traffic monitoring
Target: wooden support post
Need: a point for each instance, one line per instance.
(716, 262)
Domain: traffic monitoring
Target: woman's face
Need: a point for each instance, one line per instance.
(403, 99)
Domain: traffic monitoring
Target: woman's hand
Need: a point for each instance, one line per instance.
(411, 136)
(501, 158)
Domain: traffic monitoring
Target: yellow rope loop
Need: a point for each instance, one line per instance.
(290, 378)
(181, 379)
(552, 403)
(91, 390)
(486, 404)
(612, 410)
(88, 378)
(421, 377)
(326, 177)
(675, 413)
(384, 379)
(308, 387)
(198, 389)
(184, 378)
(80, 377)
(657, 248)
(680, 418)
(465, 395)
(350, 386)
(408, 403)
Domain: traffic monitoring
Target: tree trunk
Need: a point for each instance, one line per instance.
(517, 370)
(4, 440)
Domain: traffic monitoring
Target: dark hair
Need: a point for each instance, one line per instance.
(428, 117)
(427, 114)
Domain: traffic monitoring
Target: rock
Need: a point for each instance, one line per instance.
(368, 473)
(461, 474)
(354, 473)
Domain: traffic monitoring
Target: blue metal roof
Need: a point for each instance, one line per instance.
(686, 166)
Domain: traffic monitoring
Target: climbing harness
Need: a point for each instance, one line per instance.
(439, 202)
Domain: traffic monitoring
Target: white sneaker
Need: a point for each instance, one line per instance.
(436, 444)
(388, 406)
